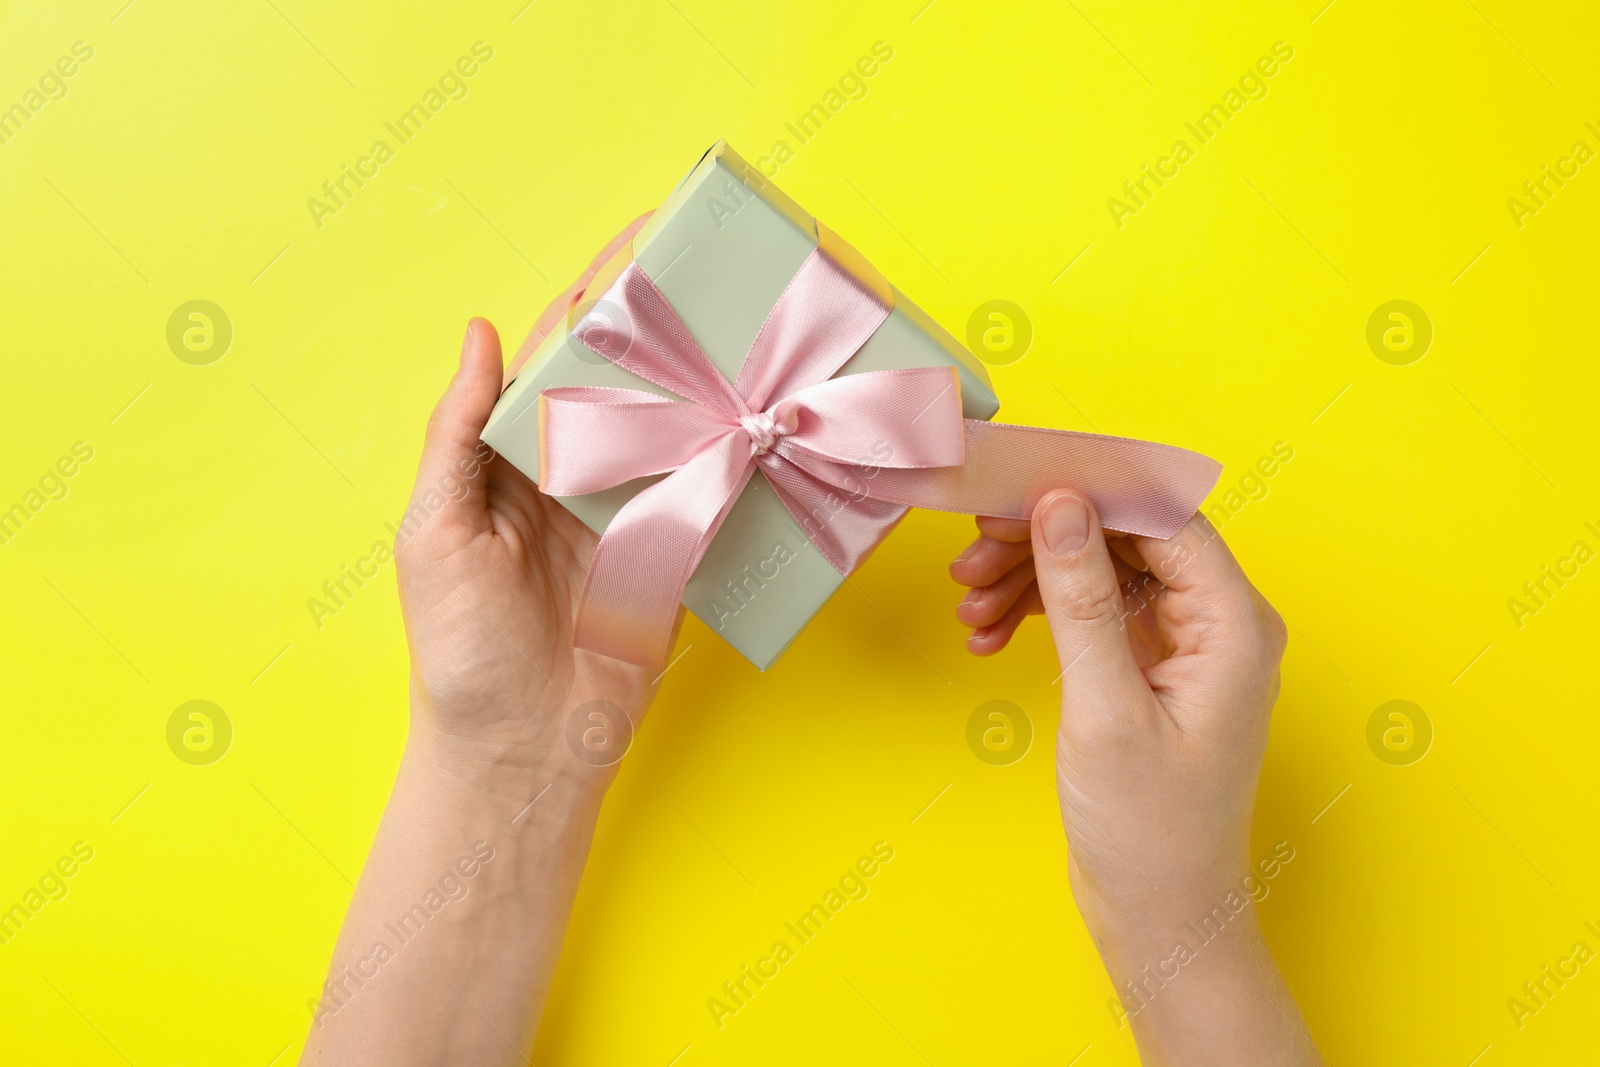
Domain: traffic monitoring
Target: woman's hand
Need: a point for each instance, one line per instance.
(451, 940)
(1169, 660)
(489, 571)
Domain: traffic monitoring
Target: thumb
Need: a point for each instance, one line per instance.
(453, 459)
(1082, 601)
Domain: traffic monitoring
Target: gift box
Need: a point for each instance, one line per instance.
(743, 408)
(722, 250)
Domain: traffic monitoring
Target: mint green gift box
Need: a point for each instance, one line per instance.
(721, 250)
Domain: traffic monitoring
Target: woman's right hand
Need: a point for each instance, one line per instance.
(1169, 660)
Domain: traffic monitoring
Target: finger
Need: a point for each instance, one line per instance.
(1198, 569)
(1128, 577)
(557, 308)
(1141, 621)
(452, 472)
(986, 561)
(1004, 529)
(1125, 550)
(987, 640)
(1083, 602)
(985, 606)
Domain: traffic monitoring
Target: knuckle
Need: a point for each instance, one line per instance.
(1274, 631)
(1236, 631)
(1250, 626)
(1094, 602)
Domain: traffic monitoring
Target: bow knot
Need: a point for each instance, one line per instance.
(764, 431)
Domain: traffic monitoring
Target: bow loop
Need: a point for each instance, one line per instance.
(594, 438)
(890, 418)
(634, 327)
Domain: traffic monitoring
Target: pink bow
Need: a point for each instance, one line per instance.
(846, 455)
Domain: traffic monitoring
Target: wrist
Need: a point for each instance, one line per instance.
(554, 736)
(497, 782)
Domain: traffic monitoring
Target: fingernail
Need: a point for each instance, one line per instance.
(466, 342)
(972, 597)
(1066, 525)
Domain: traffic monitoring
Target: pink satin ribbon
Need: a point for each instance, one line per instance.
(847, 455)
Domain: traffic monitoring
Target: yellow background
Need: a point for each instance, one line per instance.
(1227, 315)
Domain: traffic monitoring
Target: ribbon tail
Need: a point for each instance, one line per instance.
(840, 518)
(1139, 487)
(644, 559)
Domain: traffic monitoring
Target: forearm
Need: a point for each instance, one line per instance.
(452, 937)
(1211, 994)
